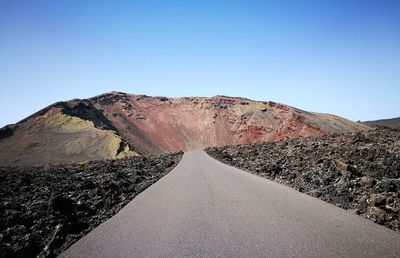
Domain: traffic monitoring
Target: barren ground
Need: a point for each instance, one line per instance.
(44, 209)
(356, 171)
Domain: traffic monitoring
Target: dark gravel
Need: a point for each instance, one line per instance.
(358, 171)
(45, 209)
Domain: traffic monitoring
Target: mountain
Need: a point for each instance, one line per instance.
(63, 132)
(391, 123)
(117, 124)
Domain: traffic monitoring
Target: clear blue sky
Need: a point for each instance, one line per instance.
(340, 57)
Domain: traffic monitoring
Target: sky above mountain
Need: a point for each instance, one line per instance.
(340, 57)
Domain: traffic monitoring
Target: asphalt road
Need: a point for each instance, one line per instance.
(204, 208)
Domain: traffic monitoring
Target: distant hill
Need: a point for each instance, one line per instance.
(391, 123)
(116, 124)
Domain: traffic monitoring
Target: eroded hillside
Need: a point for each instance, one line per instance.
(157, 124)
(116, 124)
(57, 135)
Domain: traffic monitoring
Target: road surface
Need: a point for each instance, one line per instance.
(204, 208)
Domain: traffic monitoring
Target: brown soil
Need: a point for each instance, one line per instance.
(116, 125)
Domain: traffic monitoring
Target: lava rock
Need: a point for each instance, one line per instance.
(55, 205)
(63, 205)
(357, 171)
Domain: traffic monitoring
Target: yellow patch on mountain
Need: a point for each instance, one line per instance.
(85, 139)
(63, 121)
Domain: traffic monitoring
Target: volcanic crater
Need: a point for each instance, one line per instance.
(116, 125)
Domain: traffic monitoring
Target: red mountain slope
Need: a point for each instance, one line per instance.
(116, 124)
(153, 124)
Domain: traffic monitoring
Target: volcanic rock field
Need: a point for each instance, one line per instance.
(45, 209)
(357, 171)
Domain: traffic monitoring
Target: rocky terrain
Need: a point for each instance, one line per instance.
(391, 123)
(44, 209)
(116, 125)
(355, 171)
